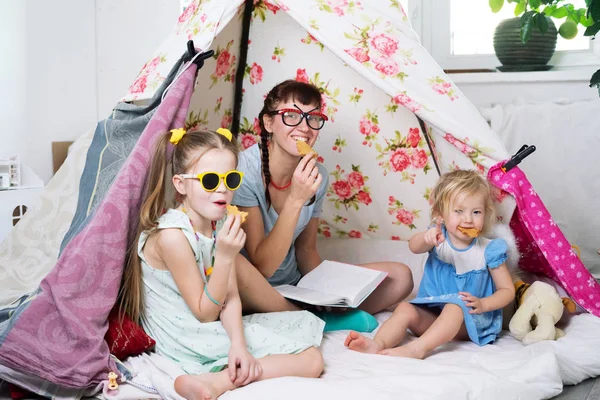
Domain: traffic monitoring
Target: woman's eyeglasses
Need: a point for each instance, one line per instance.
(210, 181)
(294, 117)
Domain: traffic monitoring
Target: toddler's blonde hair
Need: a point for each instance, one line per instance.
(462, 182)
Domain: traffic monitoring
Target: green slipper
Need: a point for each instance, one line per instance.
(356, 320)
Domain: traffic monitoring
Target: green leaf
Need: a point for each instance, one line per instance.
(549, 10)
(519, 8)
(542, 22)
(559, 13)
(595, 79)
(496, 5)
(527, 23)
(535, 3)
(594, 10)
(592, 30)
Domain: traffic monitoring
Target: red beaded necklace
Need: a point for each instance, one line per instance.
(281, 187)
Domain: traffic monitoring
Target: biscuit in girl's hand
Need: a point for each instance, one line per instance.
(304, 148)
(233, 210)
(470, 232)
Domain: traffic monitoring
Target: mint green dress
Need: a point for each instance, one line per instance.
(200, 347)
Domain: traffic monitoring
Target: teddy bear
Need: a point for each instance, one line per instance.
(539, 309)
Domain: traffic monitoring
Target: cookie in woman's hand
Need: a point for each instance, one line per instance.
(304, 148)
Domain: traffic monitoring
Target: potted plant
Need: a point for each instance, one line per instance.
(534, 20)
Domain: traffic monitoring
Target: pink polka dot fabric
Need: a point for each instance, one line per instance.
(544, 249)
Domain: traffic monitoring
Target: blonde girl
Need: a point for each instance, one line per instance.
(465, 283)
(181, 283)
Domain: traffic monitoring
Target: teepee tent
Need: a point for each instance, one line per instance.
(396, 123)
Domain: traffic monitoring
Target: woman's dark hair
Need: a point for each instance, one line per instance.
(285, 91)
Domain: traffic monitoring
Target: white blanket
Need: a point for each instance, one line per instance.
(505, 370)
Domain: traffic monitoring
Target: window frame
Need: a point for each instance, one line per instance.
(432, 24)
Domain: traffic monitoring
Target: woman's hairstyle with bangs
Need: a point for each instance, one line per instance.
(285, 91)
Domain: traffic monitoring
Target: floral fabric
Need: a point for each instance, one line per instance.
(375, 78)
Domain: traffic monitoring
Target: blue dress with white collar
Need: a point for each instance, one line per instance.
(449, 270)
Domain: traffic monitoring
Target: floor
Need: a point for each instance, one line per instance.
(586, 390)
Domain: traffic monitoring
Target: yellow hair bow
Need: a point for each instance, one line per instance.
(176, 135)
(225, 132)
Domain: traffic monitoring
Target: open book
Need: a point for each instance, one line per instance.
(334, 284)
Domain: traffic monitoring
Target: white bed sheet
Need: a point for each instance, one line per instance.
(505, 370)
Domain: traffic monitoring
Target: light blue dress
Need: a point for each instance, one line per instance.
(449, 270)
(252, 194)
(200, 347)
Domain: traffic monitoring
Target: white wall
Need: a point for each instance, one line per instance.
(47, 77)
(65, 63)
(127, 34)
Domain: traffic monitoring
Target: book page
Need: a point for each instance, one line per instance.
(346, 281)
(308, 296)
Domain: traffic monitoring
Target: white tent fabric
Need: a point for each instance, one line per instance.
(375, 77)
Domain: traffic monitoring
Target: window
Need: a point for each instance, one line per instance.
(18, 213)
(459, 34)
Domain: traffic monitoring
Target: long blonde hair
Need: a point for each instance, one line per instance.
(462, 182)
(184, 156)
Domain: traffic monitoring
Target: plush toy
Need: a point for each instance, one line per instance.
(540, 306)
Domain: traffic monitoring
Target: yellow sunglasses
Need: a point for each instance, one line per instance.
(210, 181)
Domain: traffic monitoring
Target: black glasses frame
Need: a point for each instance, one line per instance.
(302, 114)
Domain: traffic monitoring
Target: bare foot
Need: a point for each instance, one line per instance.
(196, 387)
(407, 351)
(357, 342)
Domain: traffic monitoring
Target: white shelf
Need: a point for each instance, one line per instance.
(553, 75)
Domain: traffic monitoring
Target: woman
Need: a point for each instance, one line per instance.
(283, 195)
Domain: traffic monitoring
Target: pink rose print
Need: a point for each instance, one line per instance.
(476, 154)
(256, 73)
(323, 228)
(419, 158)
(226, 120)
(188, 12)
(400, 160)
(326, 233)
(384, 44)
(349, 190)
(364, 198)
(404, 100)
(248, 140)
(342, 189)
(386, 66)
(396, 238)
(443, 87)
(358, 54)
(320, 160)
(256, 126)
(301, 75)
(365, 126)
(139, 85)
(405, 217)
(355, 234)
(223, 62)
(272, 7)
(356, 179)
(414, 137)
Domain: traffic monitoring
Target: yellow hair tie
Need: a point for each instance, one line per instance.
(225, 132)
(176, 135)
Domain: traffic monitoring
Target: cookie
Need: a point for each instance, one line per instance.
(233, 210)
(304, 148)
(470, 232)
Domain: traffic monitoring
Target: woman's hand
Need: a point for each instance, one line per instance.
(434, 236)
(475, 303)
(231, 238)
(306, 179)
(243, 367)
